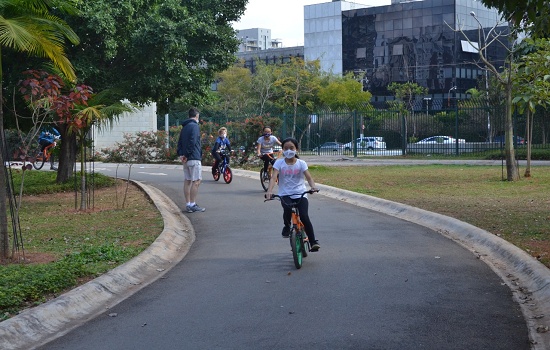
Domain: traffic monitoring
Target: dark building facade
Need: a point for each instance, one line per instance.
(415, 42)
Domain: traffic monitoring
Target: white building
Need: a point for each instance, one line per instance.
(257, 39)
(142, 120)
(323, 33)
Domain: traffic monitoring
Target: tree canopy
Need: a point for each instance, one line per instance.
(150, 50)
(532, 15)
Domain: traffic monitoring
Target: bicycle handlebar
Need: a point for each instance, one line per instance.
(274, 196)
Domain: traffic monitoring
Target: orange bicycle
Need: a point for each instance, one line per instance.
(299, 242)
(43, 156)
(265, 176)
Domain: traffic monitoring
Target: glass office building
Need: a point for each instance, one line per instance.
(420, 41)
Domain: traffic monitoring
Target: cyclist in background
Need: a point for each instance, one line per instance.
(48, 135)
(265, 147)
(222, 144)
(292, 171)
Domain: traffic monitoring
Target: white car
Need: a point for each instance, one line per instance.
(367, 143)
(440, 139)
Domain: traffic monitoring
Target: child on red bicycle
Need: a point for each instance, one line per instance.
(292, 171)
(222, 144)
(265, 145)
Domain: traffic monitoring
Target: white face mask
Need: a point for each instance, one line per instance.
(223, 136)
(289, 153)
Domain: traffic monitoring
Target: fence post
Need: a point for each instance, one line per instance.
(284, 125)
(456, 127)
(403, 132)
(353, 135)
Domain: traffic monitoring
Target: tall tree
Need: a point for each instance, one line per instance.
(29, 26)
(151, 51)
(532, 87)
(504, 76)
(263, 83)
(155, 51)
(344, 92)
(234, 89)
(406, 93)
(297, 84)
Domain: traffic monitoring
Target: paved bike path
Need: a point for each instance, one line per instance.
(526, 277)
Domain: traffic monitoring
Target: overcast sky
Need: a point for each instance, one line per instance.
(285, 18)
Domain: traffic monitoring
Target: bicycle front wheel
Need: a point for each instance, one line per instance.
(227, 175)
(264, 179)
(296, 247)
(39, 161)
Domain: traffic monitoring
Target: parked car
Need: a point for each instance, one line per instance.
(518, 140)
(440, 139)
(367, 143)
(330, 146)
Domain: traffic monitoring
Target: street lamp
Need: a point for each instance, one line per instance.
(427, 99)
(449, 96)
(485, 36)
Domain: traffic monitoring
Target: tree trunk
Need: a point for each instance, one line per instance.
(67, 157)
(4, 236)
(529, 139)
(512, 173)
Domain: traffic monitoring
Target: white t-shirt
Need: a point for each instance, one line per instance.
(291, 177)
(266, 146)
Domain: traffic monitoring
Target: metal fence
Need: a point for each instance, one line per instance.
(453, 131)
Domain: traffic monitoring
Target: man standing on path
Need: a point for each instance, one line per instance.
(190, 153)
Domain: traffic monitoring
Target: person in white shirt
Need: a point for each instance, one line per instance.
(292, 173)
(264, 148)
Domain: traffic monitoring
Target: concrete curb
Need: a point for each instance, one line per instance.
(528, 279)
(43, 323)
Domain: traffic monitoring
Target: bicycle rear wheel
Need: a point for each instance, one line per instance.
(39, 161)
(216, 174)
(227, 175)
(296, 247)
(264, 179)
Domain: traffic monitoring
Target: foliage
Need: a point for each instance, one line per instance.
(26, 285)
(531, 15)
(345, 92)
(142, 147)
(234, 86)
(532, 81)
(146, 50)
(407, 92)
(263, 84)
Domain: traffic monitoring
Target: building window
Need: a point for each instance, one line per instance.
(467, 47)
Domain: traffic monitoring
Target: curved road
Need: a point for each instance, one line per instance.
(377, 283)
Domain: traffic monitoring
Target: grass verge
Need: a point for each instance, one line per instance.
(63, 246)
(518, 212)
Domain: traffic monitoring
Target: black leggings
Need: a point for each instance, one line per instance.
(267, 159)
(303, 206)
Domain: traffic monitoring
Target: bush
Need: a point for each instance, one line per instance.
(521, 154)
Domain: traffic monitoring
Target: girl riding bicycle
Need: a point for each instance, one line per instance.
(265, 147)
(291, 171)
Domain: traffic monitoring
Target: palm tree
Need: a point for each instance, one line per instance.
(27, 26)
